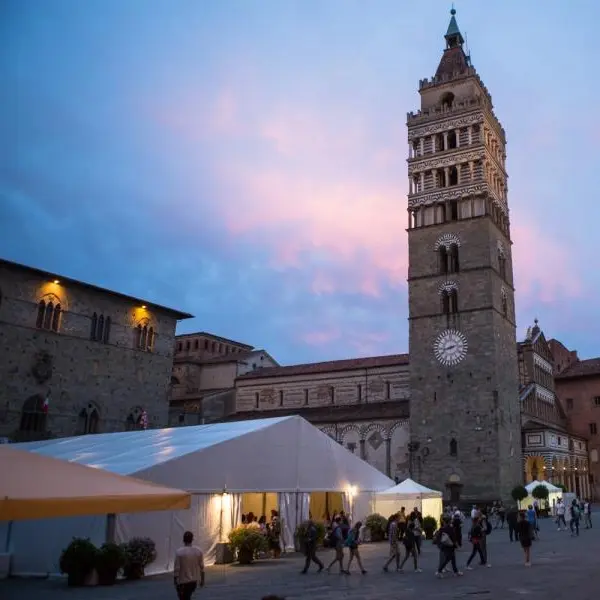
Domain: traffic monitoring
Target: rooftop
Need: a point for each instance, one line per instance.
(212, 336)
(349, 364)
(50, 276)
(582, 368)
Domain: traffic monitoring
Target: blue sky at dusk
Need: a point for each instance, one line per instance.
(246, 160)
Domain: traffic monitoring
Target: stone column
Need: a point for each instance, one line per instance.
(421, 146)
(410, 185)
(410, 150)
(471, 170)
(458, 173)
(445, 141)
(363, 450)
(422, 183)
(457, 133)
(388, 457)
(446, 176)
(470, 132)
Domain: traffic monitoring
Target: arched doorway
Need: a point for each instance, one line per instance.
(34, 416)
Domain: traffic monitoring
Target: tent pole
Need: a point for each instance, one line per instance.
(111, 525)
(8, 535)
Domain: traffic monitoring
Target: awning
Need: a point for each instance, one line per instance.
(33, 486)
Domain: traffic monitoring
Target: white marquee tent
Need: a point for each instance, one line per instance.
(216, 463)
(409, 494)
(554, 493)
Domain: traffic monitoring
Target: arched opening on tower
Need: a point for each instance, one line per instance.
(453, 259)
(453, 176)
(442, 260)
(445, 302)
(453, 298)
(439, 142)
(451, 140)
(447, 100)
(453, 447)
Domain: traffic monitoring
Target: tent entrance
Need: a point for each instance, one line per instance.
(259, 504)
(324, 504)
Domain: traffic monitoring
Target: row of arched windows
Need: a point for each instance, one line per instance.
(100, 330)
(48, 316)
(449, 302)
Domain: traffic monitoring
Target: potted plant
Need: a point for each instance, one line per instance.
(561, 486)
(540, 492)
(246, 542)
(139, 553)
(518, 494)
(377, 526)
(109, 561)
(78, 560)
(300, 535)
(429, 527)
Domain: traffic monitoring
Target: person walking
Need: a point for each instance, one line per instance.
(352, 542)
(393, 533)
(418, 532)
(525, 531)
(587, 514)
(512, 517)
(560, 515)
(532, 518)
(486, 529)
(444, 539)
(310, 547)
(188, 571)
(575, 514)
(410, 545)
(337, 540)
(457, 521)
(475, 536)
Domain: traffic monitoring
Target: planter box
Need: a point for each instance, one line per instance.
(92, 579)
(5, 559)
(224, 555)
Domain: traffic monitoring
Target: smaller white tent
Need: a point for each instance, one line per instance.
(409, 494)
(217, 463)
(554, 493)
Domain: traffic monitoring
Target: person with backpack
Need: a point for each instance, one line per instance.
(410, 545)
(352, 542)
(575, 514)
(310, 547)
(336, 541)
(476, 535)
(444, 540)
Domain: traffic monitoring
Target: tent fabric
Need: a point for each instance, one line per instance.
(35, 487)
(285, 454)
(408, 487)
(551, 488)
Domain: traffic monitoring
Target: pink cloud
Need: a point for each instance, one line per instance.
(320, 338)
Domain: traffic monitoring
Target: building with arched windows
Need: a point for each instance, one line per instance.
(77, 359)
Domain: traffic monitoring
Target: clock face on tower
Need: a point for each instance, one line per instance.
(450, 347)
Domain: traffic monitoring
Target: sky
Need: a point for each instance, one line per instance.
(245, 160)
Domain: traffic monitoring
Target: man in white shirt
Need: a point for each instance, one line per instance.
(189, 568)
(560, 514)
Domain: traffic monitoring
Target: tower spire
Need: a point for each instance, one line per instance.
(453, 35)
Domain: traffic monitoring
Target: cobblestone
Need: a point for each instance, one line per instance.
(563, 568)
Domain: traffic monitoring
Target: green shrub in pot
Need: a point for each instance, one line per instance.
(377, 526)
(78, 560)
(110, 560)
(246, 542)
(139, 553)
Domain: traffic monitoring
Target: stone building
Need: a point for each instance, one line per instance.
(76, 358)
(578, 388)
(362, 403)
(465, 416)
(552, 450)
(205, 368)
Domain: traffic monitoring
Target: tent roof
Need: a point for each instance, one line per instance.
(35, 486)
(284, 454)
(551, 488)
(408, 487)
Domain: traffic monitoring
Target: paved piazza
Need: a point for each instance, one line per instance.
(563, 567)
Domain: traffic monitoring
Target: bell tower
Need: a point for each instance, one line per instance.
(465, 414)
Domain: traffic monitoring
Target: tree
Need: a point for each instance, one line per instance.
(540, 492)
(561, 486)
(519, 493)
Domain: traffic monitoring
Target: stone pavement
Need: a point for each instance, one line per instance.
(564, 568)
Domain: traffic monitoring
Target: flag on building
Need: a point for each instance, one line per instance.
(144, 420)
(46, 404)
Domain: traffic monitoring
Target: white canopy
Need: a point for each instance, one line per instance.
(411, 488)
(285, 454)
(552, 489)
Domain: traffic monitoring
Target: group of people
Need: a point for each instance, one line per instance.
(405, 530)
(271, 529)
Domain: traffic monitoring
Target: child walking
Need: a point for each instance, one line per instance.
(352, 545)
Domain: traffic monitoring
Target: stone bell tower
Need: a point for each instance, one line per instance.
(465, 417)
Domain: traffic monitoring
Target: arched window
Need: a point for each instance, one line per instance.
(442, 260)
(150, 341)
(439, 142)
(48, 315)
(453, 176)
(134, 420)
(179, 347)
(447, 100)
(34, 416)
(453, 447)
(40, 314)
(453, 261)
(196, 345)
(56, 318)
(137, 342)
(100, 330)
(94, 325)
(107, 325)
(445, 302)
(187, 345)
(453, 300)
(451, 140)
(502, 264)
(89, 420)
